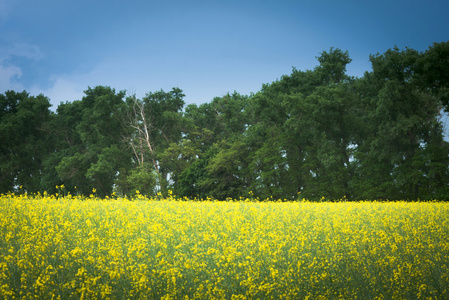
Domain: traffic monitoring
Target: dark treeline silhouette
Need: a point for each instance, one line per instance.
(314, 133)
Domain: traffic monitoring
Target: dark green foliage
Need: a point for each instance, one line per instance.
(24, 140)
(155, 126)
(314, 133)
(433, 71)
(404, 131)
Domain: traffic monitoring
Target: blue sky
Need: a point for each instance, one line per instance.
(206, 48)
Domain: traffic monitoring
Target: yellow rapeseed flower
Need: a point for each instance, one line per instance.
(160, 248)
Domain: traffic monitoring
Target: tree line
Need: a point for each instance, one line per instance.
(314, 133)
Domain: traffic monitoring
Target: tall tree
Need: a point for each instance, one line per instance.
(23, 127)
(212, 140)
(329, 135)
(156, 123)
(403, 120)
(433, 70)
(332, 68)
(96, 162)
(66, 142)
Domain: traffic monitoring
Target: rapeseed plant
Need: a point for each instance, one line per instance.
(72, 247)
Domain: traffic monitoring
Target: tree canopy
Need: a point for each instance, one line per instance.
(313, 133)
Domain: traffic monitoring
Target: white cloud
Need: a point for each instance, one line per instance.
(27, 50)
(64, 89)
(21, 49)
(7, 73)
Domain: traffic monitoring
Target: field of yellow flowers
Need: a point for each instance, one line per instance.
(89, 248)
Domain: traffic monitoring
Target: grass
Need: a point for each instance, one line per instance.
(90, 248)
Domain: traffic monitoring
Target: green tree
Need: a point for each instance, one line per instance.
(274, 149)
(66, 142)
(96, 151)
(226, 171)
(213, 129)
(328, 132)
(433, 71)
(403, 129)
(156, 123)
(23, 131)
(302, 132)
(142, 179)
(332, 68)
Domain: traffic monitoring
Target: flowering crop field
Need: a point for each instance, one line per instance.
(89, 248)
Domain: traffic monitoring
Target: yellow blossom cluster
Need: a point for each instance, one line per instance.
(89, 248)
